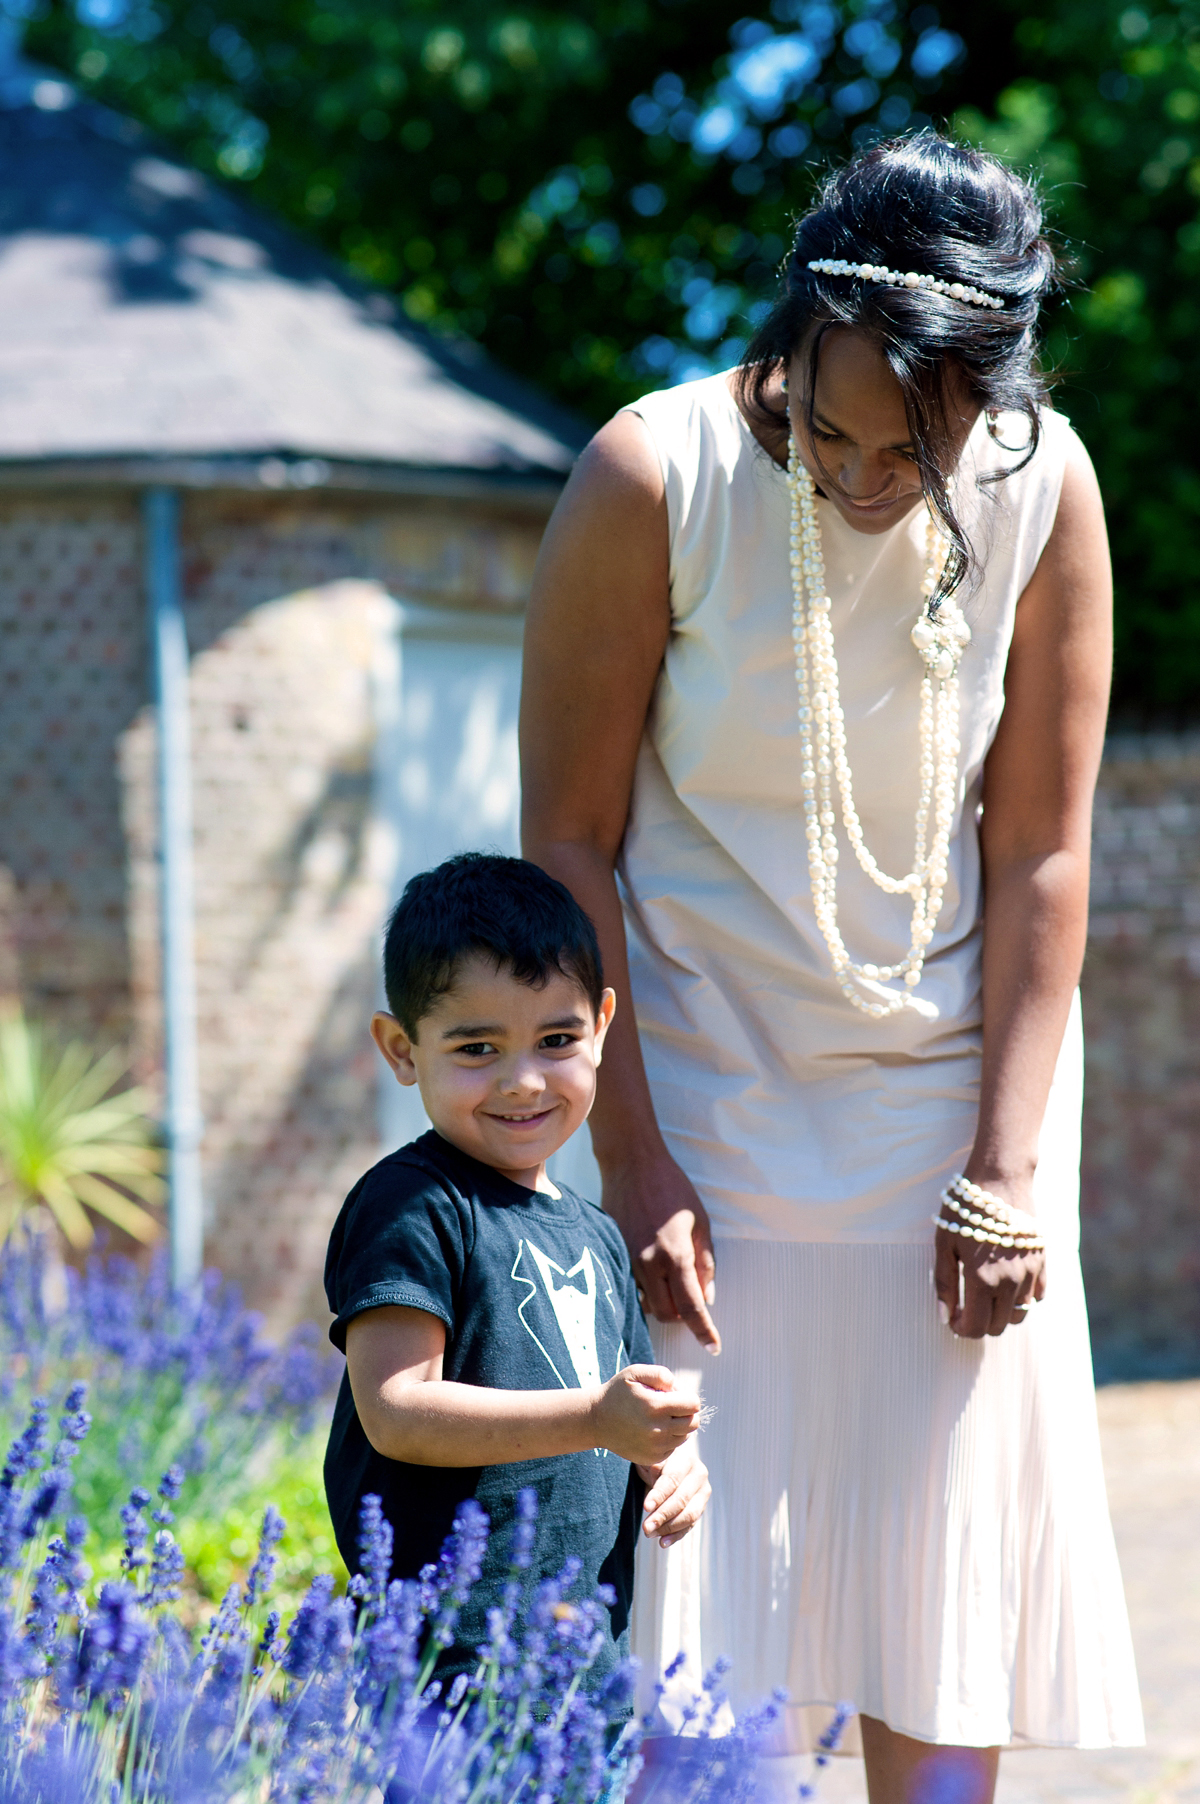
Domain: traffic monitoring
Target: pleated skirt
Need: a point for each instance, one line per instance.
(900, 1518)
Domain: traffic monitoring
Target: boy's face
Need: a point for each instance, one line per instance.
(506, 1072)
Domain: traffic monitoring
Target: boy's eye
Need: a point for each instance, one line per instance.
(555, 1042)
(477, 1049)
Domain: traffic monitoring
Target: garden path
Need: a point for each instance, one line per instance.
(1151, 1437)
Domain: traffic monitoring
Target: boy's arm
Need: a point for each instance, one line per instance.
(410, 1412)
(678, 1495)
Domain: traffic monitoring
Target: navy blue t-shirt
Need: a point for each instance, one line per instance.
(536, 1293)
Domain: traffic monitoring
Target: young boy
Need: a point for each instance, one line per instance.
(489, 1317)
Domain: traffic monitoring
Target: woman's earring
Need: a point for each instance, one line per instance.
(784, 381)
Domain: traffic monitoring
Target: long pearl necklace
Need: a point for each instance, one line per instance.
(940, 639)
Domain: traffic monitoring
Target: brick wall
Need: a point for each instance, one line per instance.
(287, 611)
(1141, 1222)
(72, 677)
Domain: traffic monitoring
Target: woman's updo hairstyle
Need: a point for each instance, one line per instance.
(919, 203)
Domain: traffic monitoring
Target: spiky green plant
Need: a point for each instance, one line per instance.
(68, 1141)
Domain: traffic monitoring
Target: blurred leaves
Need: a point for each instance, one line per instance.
(66, 1140)
(220, 1548)
(602, 195)
(1107, 113)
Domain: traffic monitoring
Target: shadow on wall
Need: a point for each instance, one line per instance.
(276, 1192)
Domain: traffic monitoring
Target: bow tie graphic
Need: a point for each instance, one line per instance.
(576, 1280)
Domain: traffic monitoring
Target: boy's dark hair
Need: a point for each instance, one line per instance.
(478, 902)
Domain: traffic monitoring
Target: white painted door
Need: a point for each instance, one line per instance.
(447, 780)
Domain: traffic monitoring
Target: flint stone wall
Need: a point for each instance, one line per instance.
(286, 603)
(1141, 1002)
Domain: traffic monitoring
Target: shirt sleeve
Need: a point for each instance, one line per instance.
(637, 1335)
(403, 1237)
(638, 1345)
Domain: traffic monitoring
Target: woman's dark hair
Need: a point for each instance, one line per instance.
(483, 904)
(919, 203)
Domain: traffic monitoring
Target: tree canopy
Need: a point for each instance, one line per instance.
(601, 195)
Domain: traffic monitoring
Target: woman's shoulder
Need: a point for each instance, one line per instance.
(702, 444)
(1017, 469)
(1004, 443)
(704, 408)
(1011, 506)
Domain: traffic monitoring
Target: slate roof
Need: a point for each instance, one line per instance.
(148, 314)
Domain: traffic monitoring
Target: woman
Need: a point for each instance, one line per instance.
(790, 624)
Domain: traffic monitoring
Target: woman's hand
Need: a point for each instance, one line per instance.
(666, 1229)
(987, 1289)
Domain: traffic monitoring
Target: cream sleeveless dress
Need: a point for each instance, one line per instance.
(900, 1518)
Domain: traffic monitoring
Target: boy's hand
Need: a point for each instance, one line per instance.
(640, 1415)
(678, 1495)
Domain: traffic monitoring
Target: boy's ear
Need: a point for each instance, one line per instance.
(604, 1015)
(395, 1045)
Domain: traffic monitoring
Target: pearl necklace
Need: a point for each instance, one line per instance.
(940, 639)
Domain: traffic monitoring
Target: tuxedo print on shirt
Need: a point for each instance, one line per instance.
(579, 1303)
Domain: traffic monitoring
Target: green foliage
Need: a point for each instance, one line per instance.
(178, 1382)
(67, 1141)
(482, 160)
(1108, 115)
(218, 1531)
(220, 1547)
(601, 195)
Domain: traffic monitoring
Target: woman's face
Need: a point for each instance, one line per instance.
(860, 452)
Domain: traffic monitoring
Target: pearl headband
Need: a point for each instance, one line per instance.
(877, 272)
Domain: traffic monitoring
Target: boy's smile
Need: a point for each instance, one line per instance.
(506, 1071)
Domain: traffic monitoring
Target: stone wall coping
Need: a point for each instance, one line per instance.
(471, 625)
(1154, 746)
(272, 474)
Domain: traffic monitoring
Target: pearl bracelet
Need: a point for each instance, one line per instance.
(983, 1216)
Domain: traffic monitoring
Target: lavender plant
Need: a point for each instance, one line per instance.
(185, 1382)
(110, 1701)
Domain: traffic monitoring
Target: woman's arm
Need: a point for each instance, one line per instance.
(597, 628)
(1036, 835)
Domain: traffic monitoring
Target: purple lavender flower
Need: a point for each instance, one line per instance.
(51, 1489)
(828, 1743)
(57, 1589)
(166, 1570)
(169, 1487)
(133, 1519)
(459, 1568)
(64, 1764)
(354, 1706)
(25, 1454)
(307, 1633)
(73, 1425)
(223, 1628)
(388, 1650)
(375, 1541)
(261, 1574)
(524, 1529)
(266, 1643)
(114, 1643)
